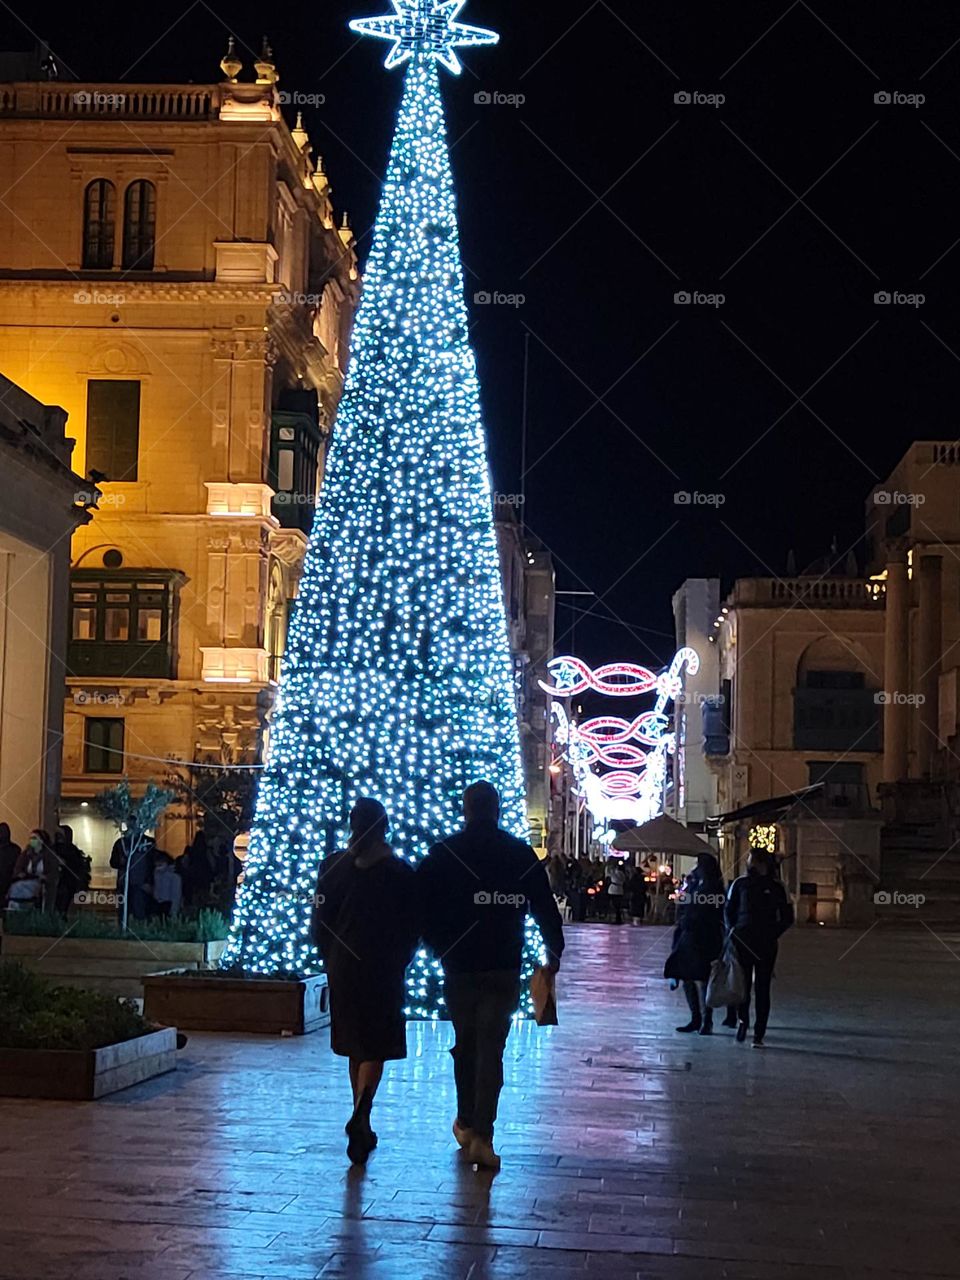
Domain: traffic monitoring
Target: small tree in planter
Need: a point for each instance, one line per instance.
(134, 818)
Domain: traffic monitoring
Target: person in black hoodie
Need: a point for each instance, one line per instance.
(698, 939)
(758, 911)
(476, 888)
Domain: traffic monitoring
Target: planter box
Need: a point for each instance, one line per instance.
(219, 1002)
(113, 966)
(84, 1074)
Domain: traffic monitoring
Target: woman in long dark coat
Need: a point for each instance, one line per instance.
(698, 939)
(365, 926)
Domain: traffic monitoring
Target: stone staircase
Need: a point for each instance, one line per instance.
(920, 871)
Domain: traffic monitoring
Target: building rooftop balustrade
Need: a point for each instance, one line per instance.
(59, 100)
(824, 592)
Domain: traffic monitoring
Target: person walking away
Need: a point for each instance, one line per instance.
(365, 926)
(616, 884)
(476, 887)
(73, 867)
(9, 856)
(637, 895)
(698, 939)
(759, 912)
(29, 875)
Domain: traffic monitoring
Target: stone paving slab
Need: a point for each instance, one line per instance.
(629, 1151)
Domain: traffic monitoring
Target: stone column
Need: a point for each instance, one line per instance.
(930, 648)
(895, 667)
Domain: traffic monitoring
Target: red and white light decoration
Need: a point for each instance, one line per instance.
(632, 787)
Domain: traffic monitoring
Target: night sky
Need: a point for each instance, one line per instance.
(599, 198)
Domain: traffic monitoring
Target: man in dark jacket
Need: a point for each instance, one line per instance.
(758, 911)
(476, 888)
(9, 854)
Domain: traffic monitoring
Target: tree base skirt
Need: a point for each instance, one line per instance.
(222, 1002)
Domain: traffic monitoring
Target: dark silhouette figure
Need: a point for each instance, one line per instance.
(9, 856)
(365, 926)
(637, 894)
(758, 911)
(198, 872)
(477, 887)
(136, 886)
(73, 869)
(698, 939)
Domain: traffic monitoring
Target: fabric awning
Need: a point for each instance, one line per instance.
(762, 808)
(662, 835)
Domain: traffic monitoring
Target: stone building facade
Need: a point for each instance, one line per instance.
(529, 597)
(172, 274)
(43, 502)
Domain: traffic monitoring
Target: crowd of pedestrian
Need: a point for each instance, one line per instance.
(599, 889)
(155, 884)
(45, 873)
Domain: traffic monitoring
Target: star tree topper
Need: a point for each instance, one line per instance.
(424, 26)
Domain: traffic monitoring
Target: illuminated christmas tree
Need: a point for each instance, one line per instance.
(397, 681)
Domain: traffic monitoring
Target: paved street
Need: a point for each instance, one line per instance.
(628, 1150)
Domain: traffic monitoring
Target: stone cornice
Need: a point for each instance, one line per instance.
(135, 291)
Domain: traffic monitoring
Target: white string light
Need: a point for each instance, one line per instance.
(397, 681)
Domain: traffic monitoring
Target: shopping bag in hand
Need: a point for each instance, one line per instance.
(543, 992)
(727, 983)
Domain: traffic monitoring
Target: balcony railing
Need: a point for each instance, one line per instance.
(66, 100)
(830, 593)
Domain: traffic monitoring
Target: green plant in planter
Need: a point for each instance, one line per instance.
(207, 926)
(35, 1014)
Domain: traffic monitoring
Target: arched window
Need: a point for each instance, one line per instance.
(139, 225)
(99, 213)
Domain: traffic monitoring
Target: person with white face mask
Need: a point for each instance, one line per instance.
(26, 889)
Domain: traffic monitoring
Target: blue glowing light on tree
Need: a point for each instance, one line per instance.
(397, 681)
